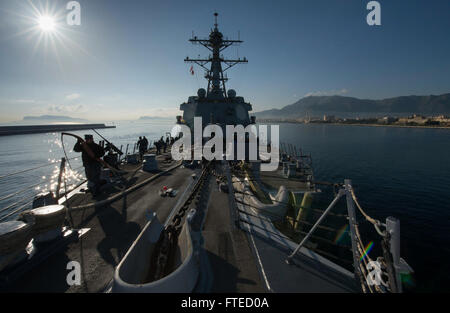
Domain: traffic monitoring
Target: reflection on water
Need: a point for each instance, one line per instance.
(69, 178)
(30, 151)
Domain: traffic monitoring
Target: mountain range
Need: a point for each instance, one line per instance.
(348, 105)
(53, 118)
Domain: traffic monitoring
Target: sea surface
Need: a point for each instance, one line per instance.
(400, 172)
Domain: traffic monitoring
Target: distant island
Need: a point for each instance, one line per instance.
(315, 107)
(153, 118)
(53, 119)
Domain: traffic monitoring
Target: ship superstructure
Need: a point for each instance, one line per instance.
(216, 104)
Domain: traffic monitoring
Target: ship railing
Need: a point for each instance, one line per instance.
(128, 148)
(23, 199)
(380, 276)
(304, 161)
(297, 225)
(295, 153)
(129, 151)
(370, 274)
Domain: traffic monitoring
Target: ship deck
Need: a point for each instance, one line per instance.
(232, 263)
(244, 258)
(112, 229)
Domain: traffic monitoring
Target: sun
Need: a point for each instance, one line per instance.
(46, 23)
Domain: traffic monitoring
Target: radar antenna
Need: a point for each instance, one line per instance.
(215, 43)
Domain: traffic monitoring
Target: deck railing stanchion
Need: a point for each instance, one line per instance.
(393, 229)
(296, 152)
(61, 171)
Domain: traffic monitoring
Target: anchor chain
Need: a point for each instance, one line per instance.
(169, 236)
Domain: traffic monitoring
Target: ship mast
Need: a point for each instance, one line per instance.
(214, 74)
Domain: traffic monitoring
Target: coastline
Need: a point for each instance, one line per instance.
(354, 124)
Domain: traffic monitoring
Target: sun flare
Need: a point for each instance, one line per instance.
(46, 23)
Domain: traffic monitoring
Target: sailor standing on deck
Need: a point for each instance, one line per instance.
(142, 145)
(138, 145)
(143, 148)
(167, 141)
(92, 167)
(145, 143)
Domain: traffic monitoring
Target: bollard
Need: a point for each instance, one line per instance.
(132, 158)
(150, 163)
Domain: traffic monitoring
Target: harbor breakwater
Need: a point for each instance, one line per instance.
(35, 129)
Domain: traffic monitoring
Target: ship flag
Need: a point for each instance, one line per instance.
(192, 70)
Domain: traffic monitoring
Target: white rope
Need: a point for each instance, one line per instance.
(376, 223)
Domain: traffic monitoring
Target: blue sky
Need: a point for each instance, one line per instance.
(126, 58)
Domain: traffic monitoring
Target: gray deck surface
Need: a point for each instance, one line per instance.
(113, 228)
(250, 259)
(231, 259)
(308, 273)
(304, 276)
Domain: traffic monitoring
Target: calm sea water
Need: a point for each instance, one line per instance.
(400, 172)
